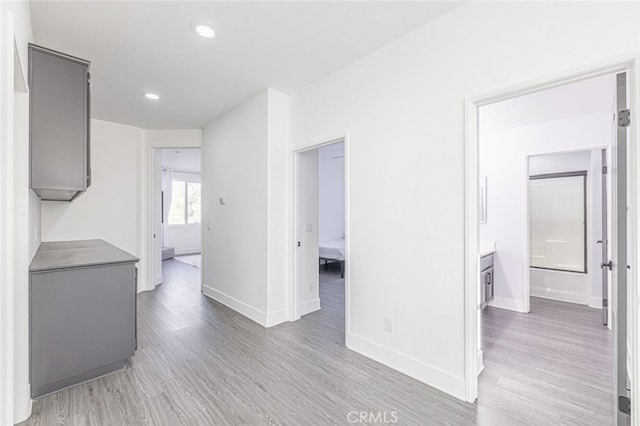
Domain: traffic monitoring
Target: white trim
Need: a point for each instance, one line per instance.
(309, 306)
(472, 104)
(480, 361)
(254, 314)
(471, 258)
(526, 273)
(561, 295)
(158, 280)
(410, 366)
(295, 309)
(509, 304)
(187, 251)
(275, 318)
(595, 302)
(633, 79)
(147, 253)
(237, 305)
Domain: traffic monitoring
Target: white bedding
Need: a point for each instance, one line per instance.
(332, 249)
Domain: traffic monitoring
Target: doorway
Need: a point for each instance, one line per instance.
(514, 247)
(321, 258)
(177, 213)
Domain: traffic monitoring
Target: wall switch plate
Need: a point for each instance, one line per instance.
(310, 285)
(388, 324)
(309, 227)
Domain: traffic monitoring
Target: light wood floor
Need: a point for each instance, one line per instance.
(200, 363)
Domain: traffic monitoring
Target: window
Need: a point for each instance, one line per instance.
(185, 203)
(557, 221)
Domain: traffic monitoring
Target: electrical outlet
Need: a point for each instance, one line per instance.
(388, 324)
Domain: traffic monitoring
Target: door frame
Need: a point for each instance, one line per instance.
(295, 281)
(471, 225)
(145, 208)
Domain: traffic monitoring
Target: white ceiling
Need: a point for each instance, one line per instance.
(183, 159)
(148, 46)
(570, 100)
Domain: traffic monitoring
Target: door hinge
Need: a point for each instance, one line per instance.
(624, 118)
(605, 303)
(624, 404)
(604, 170)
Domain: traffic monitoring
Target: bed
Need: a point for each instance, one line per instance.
(331, 252)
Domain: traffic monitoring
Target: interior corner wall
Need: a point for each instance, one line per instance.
(108, 209)
(278, 226)
(403, 107)
(234, 208)
(244, 209)
(331, 192)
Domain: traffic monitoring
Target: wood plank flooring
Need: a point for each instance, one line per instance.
(554, 364)
(200, 363)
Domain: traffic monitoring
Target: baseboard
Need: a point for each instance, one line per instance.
(157, 280)
(309, 306)
(480, 361)
(19, 417)
(275, 318)
(630, 366)
(188, 251)
(509, 304)
(408, 365)
(142, 286)
(563, 296)
(595, 302)
(237, 305)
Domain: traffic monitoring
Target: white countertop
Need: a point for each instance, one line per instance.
(486, 247)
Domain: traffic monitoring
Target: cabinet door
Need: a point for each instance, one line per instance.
(82, 319)
(58, 88)
(489, 284)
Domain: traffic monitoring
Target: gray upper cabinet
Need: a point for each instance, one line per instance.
(58, 124)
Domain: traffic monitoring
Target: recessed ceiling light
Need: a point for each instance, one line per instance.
(152, 96)
(204, 30)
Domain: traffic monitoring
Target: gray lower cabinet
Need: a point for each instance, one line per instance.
(486, 280)
(82, 313)
(59, 118)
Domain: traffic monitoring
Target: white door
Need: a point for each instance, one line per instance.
(619, 261)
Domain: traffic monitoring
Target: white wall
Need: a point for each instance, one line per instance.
(403, 107)
(19, 212)
(244, 242)
(503, 159)
(331, 191)
(108, 209)
(574, 287)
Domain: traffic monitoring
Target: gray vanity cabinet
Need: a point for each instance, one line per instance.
(82, 311)
(58, 124)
